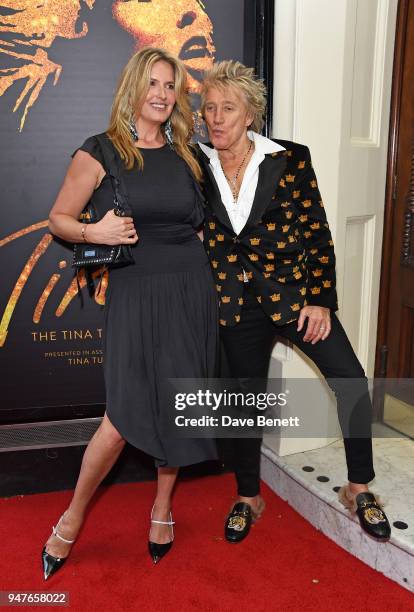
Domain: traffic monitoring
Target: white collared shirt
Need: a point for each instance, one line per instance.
(239, 212)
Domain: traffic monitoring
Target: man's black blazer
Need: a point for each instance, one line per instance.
(286, 246)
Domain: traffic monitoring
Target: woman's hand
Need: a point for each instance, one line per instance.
(84, 175)
(112, 230)
(319, 323)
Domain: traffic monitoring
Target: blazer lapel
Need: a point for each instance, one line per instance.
(270, 172)
(213, 195)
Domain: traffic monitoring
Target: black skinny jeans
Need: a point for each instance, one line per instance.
(247, 348)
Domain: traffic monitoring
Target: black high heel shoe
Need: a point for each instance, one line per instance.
(50, 563)
(158, 551)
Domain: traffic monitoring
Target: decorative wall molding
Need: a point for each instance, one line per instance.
(365, 281)
(377, 86)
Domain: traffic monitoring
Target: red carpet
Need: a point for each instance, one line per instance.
(284, 565)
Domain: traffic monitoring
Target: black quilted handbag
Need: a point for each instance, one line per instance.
(86, 255)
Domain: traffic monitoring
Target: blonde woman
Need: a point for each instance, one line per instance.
(275, 273)
(161, 311)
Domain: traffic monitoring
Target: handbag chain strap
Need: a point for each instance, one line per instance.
(112, 167)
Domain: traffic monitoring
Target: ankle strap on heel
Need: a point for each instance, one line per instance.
(55, 533)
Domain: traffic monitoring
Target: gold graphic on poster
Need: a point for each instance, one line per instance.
(21, 281)
(43, 298)
(27, 270)
(181, 26)
(32, 26)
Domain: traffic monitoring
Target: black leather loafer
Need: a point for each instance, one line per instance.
(371, 516)
(238, 522)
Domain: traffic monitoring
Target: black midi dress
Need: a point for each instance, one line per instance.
(161, 313)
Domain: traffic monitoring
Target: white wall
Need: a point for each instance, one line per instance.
(333, 70)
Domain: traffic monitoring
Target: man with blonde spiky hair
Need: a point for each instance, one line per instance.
(276, 265)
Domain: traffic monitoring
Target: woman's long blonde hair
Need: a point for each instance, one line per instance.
(131, 92)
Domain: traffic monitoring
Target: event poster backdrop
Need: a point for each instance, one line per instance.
(59, 64)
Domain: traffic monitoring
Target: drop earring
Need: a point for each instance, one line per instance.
(133, 129)
(169, 133)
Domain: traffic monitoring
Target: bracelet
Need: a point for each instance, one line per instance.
(83, 231)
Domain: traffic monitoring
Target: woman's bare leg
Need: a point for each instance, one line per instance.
(161, 534)
(100, 455)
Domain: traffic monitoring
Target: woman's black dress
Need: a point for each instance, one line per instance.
(161, 312)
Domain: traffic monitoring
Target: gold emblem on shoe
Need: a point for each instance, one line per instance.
(238, 523)
(374, 515)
